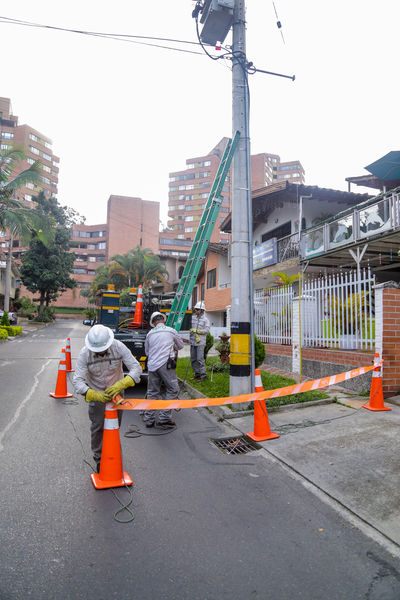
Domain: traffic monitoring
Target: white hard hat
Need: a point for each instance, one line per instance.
(99, 338)
(200, 305)
(154, 315)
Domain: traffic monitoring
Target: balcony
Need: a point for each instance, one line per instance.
(363, 224)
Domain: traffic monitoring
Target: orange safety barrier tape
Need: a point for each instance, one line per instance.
(143, 404)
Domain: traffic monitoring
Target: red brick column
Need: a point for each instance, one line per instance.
(391, 341)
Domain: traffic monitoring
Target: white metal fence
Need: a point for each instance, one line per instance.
(337, 311)
(273, 315)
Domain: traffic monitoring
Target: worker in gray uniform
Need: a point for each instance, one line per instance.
(99, 377)
(198, 334)
(161, 348)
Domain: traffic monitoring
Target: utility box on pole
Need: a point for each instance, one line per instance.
(217, 16)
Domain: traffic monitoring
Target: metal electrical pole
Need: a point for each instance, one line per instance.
(242, 330)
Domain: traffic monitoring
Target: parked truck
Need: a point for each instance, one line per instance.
(129, 326)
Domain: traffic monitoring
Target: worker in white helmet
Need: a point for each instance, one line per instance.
(99, 377)
(161, 348)
(198, 334)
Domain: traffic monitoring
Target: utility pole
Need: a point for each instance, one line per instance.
(242, 329)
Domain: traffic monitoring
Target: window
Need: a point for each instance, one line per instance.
(46, 156)
(206, 163)
(5, 146)
(7, 135)
(30, 186)
(28, 198)
(33, 137)
(202, 291)
(34, 150)
(46, 168)
(92, 259)
(101, 246)
(278, 232)
(194, 296)
(211, 278)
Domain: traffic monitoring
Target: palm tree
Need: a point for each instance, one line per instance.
(139, 266)
(14, 217)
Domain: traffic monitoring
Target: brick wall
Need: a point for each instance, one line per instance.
(391, 341)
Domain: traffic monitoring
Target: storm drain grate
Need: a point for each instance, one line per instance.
(235, 445)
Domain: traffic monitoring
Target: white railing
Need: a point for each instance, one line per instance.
(337, 311)
(359, 225)
(273, 315)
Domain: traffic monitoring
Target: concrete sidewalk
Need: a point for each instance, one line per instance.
(346, 454)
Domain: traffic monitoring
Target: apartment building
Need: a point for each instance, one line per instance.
(130, 222)
(268, 168)
(190, 188)
(35, 145)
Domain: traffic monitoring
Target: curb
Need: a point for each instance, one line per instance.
(222, 412)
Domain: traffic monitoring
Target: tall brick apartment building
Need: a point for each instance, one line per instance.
(189, 190)
(130, 222)
(35, 145)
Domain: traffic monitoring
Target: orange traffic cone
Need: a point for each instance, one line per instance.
(61, 384)
(138, 316)
(68, 356)
(111, 474)
(262, 430)
(376, 393)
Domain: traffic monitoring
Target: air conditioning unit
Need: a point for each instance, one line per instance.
(217, 16)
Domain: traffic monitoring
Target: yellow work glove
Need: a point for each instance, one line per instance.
(193, 330)
(199, 331)
(197, 339)
(120, 385)
(93, 396)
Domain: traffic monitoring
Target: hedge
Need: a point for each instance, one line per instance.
(11, 329)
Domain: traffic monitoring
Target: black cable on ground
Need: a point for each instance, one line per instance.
(124, 506)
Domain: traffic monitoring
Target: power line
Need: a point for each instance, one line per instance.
(121, 37)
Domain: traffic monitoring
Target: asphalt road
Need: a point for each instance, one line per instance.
(206, 525)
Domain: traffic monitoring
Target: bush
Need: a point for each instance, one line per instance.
(47, 315)
(90, 313)
(26, 314)
(4, 321)
(12, 330)
(209, 344)
(259, 352)
(3, 333)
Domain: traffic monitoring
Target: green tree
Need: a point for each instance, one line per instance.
(15, 219)
(46, 269)
(139, 266)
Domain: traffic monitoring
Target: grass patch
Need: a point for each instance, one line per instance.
(66, 310)
(217, 384)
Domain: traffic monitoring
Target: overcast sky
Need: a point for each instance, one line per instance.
(122, 115)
